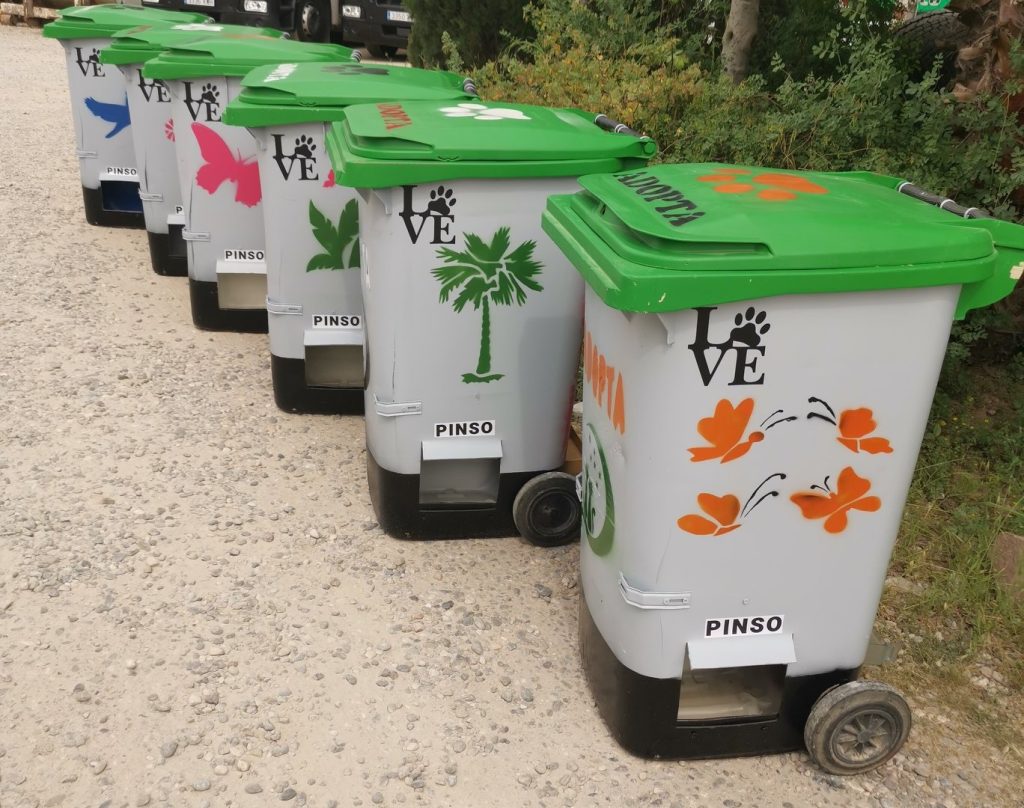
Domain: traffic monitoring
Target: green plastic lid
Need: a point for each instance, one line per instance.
(137, 45)
(236, 55)
(314, 91)
(95, 22)
(675, 237)
(390, 144)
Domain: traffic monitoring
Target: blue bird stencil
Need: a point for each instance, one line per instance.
(116, 114)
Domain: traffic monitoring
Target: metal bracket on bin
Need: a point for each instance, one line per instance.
(85, 153)
(188, 235)
(273, 307)
(150, 197)
(670, 336)
(652, 600)
(393, 409)
(382, 194)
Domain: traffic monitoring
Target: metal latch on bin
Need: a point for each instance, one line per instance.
(273, 307)
(146, 196)
(652, 600)
(189, 235)
(393, 409)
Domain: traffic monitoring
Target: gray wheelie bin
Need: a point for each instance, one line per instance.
(761, 352)
(99, 108)
(473, 317)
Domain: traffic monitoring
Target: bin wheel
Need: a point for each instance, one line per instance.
(856, 727)
(547, 511)
(313, 21)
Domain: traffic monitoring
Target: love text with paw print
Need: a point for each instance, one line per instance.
(297, 158)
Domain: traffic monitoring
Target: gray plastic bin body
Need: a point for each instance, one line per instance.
(103, 137)
(462, 407)
(314, 299)
(159, 189)
(221, 201)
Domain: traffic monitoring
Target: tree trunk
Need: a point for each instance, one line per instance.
(740, 30)
(483, 365)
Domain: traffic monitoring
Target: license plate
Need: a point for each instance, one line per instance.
(205, 3)
(399, 16)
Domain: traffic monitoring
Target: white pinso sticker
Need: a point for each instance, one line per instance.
(280, 72)
(743, 626)
(244, 255)
(484, 113)
(464, 429)
(337, 321)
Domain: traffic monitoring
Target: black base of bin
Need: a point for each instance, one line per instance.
(293, 394)
(163, 260)
(396, 502)
(209, 316)
(641, 711)
(96, 214)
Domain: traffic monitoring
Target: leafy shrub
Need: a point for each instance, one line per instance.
(478, 30)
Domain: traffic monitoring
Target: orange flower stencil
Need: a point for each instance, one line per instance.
(724, 431)
(835, 506)
(855, 428)
(722, 512)
(774, 187)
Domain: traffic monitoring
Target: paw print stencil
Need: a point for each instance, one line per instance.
(209, 94)
(771, 187)
(169, 129)
(441, 201)
(750, 327)
(304, 147)
(484, 113)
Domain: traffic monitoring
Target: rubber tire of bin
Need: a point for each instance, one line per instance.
(382, 51)
(552, 490)
(846, 708)
(312, 21)
(929, 36)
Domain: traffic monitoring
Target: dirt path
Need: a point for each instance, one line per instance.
(196, 606)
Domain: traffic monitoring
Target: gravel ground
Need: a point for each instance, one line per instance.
(198, 609)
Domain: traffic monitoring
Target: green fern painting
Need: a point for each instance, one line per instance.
(483, 275)
(340, 242)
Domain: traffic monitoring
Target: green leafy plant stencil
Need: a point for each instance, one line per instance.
(485, 275)
(337, 242)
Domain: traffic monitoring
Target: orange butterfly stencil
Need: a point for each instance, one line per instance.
(855, 428)
(834, 506)
(723, 511)
(725, 429)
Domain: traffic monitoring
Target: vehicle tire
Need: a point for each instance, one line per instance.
(313, 20)
(856, 727)
(931, 36)
(382, 51)
(547, 511)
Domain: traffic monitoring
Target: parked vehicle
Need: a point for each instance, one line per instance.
(381, 25)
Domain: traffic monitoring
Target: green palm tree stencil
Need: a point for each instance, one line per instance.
(335, 240)
(487, 274)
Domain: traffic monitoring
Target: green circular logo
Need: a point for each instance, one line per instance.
(598, 502)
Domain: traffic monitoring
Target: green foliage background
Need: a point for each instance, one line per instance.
(479, 28)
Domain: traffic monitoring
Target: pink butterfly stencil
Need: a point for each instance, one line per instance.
(222, 166)
(329, 182)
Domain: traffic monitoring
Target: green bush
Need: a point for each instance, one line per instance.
(478, 30)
